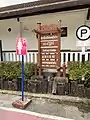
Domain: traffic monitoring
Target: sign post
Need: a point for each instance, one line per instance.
(83, 54)
(22, 77)
(21, 49)
(49, 48)
(83, 50)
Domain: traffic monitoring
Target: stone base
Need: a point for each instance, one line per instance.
(21, 104)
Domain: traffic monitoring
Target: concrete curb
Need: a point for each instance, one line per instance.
(59, 98)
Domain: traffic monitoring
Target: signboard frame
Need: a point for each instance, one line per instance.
(49, 36)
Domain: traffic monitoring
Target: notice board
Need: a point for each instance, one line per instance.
(49, 37)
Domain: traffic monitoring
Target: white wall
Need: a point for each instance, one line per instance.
(71, 19)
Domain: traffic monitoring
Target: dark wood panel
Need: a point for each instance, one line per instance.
(50, 27)
(46, 47)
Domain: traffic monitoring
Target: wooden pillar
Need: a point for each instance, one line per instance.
(64, 70)
(39, 50)
(58, 52)
(36, 69)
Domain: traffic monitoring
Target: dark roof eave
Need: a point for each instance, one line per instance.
(44, 10)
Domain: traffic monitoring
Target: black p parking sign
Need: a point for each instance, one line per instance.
(83, 32)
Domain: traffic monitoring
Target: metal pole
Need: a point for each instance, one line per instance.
(22, 65)
(22, 77)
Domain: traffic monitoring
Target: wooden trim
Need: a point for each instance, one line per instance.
(45, 32)
(59, 49)
(39, 50)
(46, 9)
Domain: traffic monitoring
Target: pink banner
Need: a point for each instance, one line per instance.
(21, 46)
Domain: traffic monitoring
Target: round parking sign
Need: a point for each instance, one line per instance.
(83, 32)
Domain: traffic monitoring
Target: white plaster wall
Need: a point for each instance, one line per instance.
(71, 19)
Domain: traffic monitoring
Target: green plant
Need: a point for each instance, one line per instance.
(78, 70)
(10, 70)
(74, 69)
(29, 70)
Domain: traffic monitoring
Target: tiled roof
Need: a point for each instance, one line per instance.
(42, 6)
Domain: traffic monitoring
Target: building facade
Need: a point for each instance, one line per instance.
(71, 19)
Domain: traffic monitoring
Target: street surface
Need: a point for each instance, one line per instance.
(40, 109)
(15, 114)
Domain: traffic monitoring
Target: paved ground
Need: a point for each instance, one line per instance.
(75, 112)
(43, 106)
(49, 96)
(7, 112)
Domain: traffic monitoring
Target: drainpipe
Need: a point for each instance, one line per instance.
(1, 54)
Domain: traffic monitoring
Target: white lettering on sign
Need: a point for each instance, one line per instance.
(49, 50)
(48, 56)
(52, 59)
(42, 41)
(47, 53)
(49, 43)
(19, 46)
(49, 47)
(49, 66)
(51, 53)
(47, 59)
(53, 56)
(49, 37)
(52, 65)
(43, 59)
(48, 62)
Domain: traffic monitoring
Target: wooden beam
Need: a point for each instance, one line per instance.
(36, 31)
(41, 32)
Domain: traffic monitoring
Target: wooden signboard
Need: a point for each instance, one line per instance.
(49, 47)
